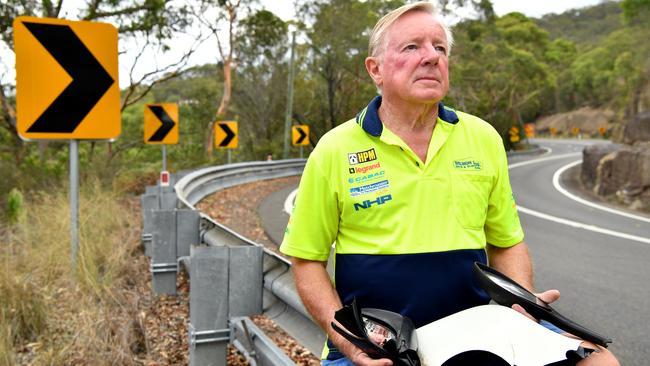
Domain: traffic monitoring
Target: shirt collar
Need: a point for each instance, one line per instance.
(369, 120)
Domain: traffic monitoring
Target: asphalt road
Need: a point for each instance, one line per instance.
(603, 276)
(596, 258)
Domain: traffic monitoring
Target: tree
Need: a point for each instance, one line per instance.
(498, 70)
(337, 49)
(636, 11)
(261, 82)
(227, 12)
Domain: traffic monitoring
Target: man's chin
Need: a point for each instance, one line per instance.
(428, 98)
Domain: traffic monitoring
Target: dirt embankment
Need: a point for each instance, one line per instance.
(586, 121)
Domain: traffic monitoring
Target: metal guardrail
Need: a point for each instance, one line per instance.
(231, 276)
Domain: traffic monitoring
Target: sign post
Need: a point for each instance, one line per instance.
(66, 89)
(74, 201)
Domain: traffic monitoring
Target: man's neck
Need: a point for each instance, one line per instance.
(414, 124)
(408, 118)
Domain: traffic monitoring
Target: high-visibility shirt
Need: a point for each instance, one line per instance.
(406, 231)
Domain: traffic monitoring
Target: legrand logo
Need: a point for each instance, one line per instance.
(367, 178)
(467, 164)
(362, 157)
(365, 169)
(368, 203)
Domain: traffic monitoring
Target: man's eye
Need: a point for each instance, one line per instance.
(441, 49)
(411, 47)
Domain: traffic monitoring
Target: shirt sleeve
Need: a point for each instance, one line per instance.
(502, 226)
(313, 224)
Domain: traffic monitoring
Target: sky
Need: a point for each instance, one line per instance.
(207, 52)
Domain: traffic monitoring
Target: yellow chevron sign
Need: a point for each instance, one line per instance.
(66, 79)
(161, 123)
(225, 135)
(300, 135)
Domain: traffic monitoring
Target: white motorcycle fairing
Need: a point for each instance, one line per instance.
(495, 329)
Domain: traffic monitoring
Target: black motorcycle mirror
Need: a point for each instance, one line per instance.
(507, 292)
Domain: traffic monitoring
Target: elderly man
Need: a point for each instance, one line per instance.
(410, 191)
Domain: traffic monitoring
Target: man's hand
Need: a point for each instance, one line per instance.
(548, 297)
(362, 359)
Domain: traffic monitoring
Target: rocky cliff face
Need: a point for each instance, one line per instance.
(622, 171)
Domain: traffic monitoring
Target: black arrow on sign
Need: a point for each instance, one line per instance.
(167, 123)
(302, 135)
(89, 79)
(229, 135)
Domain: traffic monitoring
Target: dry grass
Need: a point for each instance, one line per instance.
(51, 314)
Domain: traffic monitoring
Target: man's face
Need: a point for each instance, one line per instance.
(412, 67)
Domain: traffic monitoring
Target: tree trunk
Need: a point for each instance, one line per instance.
(9, 116)
(223, 106)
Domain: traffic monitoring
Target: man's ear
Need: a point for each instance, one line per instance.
(372, 66)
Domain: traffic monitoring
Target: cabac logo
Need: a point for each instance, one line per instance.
(364, 169)
(368, 203)
(467, 164)
(362, 157)
(367, 178)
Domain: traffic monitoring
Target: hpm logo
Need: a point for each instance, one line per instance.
(368, 203)
(362, 157)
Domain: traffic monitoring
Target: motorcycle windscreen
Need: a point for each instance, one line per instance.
(494, 329)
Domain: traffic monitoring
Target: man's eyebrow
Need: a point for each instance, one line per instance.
(419, 39)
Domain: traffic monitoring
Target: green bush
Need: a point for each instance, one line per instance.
(15, 210)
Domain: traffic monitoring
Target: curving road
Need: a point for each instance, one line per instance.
(598, 259)
(595, 254)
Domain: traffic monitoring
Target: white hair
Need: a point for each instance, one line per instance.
(378, 34)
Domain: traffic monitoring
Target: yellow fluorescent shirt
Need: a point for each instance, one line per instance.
(406, 232)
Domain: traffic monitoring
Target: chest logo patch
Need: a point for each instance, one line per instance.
(358, 191)
(362, 157)
(467, 164)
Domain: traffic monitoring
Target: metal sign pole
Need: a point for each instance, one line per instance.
(287, 116)
(300, 151)
(229, 156)
(164, 157)
(74, 200)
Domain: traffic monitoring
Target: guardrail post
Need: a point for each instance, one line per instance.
(164, 266)
(208, 328)
(151, 190)
(148, 203)
(168, 200)
(246, 280)
(225, 282)
(187, 231)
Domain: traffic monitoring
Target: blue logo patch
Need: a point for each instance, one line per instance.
(358, 191)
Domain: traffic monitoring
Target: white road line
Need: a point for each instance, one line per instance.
(582, 226)
(558, 186)
(535, 161)
(569, 222)
(288, 203)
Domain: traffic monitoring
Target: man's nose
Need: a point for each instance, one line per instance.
(430, 55)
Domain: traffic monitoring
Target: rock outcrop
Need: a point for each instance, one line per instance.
(637, 129)
(619, 171)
